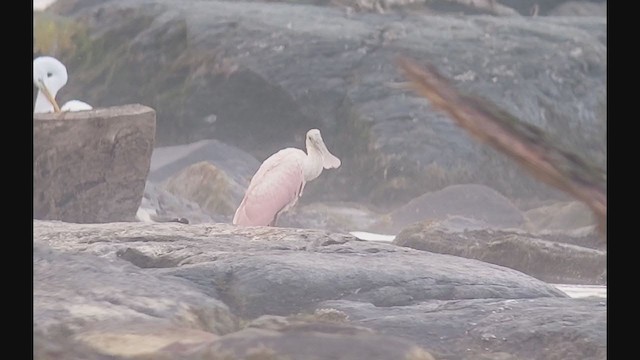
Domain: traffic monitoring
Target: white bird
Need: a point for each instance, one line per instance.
(49, 76)
(280, 180)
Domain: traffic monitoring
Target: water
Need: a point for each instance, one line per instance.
(574, 291)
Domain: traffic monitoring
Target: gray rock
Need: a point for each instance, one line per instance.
(340, 298)
(470, 201)
(543, 328)
(259, 75)
(280, 271)
(547, 259)
(75, 291)
(91, 166)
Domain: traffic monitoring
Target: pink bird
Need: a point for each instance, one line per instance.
(280, 180)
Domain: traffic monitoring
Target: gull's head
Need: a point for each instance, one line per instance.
(314, 140)
(49, 76)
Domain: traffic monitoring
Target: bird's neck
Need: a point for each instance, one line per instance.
(42, 104)
(312, 164)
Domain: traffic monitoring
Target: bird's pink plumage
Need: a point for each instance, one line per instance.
(276, 185)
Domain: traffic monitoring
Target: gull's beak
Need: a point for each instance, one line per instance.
(51, 99)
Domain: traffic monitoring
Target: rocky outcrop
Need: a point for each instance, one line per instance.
(549, 259)
(259, 75)
(166, 291)
(91, 166)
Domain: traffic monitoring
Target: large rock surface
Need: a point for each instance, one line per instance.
(259, 75)
(143, 291)
(91, 166)
(280, 271)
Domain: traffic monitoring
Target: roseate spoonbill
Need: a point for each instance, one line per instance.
(50, 75)
(280, 180)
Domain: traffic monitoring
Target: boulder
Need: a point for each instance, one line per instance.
(91, 166)
(547, 259)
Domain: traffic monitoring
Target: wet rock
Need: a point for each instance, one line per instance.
(546, 259)
(91, 166)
